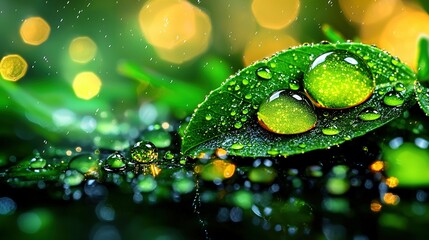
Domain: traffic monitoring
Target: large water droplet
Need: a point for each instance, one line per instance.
(144, 152)
(86, 164)
(369, 114)
(330, 131)
(393, 99)
(287, 112)
(264, 73)
(115, 162)
(338, 79)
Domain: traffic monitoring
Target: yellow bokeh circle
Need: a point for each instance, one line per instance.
(275, 14)
(86, 85)
(34, 30)
(178, 30)
(13, 67)
(266, 43)
(82, 49)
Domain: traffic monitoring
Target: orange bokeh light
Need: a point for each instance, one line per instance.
(34, 30)
(275, 14)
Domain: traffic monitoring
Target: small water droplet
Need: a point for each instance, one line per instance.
(248, 96)
(237, 146)
(287, 112)
(144, 152)
(393, 99)
(37, 162)
(115, 162)
(273, 152)
(369, 114)
(238, 125)
(399, 87)
(208, 117)
(245, 81)
(264, 73)
(330, 131)
(338, 79)
(293, 84)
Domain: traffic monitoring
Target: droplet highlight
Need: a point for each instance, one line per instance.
(115, 162)
(287, 112)
(338, 79)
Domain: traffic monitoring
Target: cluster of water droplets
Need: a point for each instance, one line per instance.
(335, 80)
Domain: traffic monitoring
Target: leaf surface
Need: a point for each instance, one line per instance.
(228, 116)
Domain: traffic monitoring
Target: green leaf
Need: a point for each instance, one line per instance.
(228, 117)
(422, 94)
(423, 60)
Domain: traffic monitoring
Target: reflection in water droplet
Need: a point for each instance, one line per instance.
(115, 162)
(369, 114)
(264, 73)
(338, 79)
(287, 112)
(144, 152)
(393, 99)
(37, 163)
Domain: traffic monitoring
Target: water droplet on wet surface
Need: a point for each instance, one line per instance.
(37, 163)
(287, 112)
(338, 79)
(144, 152)
(115, 162)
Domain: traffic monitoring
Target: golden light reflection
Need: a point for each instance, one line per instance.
(82, 49)
(217, 169)
(377, 166)
(405, 27)
(368, 11)
(13, 67)
(266, 43)
(390, 198)
(221, 153)
(34, 31)
(178, 30)
(155, 170)
(86, 85)
(392, 182)
(275, 14)
(69, 153)
(376, 206)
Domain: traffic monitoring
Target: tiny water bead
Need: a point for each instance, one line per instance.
(393, 99)
(144, 152)
(37, 163)
(330, 131)
(287, 112)
(115, 162)
(264, 73)
(338, 79)
(369, 114)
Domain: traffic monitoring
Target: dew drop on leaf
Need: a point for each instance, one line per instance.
(393, 99)
(144, 152)
(237, 146)
(369, 114)
(338, 79)
(37, 163)
(287, 112)
(330, 131)
(264, 73)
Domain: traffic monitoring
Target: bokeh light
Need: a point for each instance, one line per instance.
(275, 14)
(86, 85)
(82, 49)
(265, 43)
(364, 12)
(34, 31)
(178, 30)
(13, 67)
